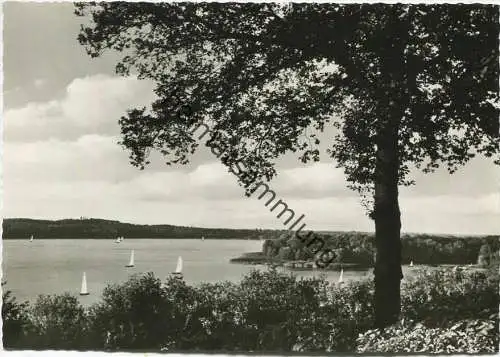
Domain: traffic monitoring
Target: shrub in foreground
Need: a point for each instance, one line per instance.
(57, 322)
(468, 336)
(268, 312)
(439, 297)
(15, 320)
(139, 314)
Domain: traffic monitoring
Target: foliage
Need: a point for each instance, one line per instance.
(456, 310)
(261, 71)
(402, 86)
(358, 248)
(268, 298)
(484, 257)
(214, 319)
(15, 320)
(269, 311)
(57, 322)
(349, 312)
(441, 296)
(139, 314)
(467, 336)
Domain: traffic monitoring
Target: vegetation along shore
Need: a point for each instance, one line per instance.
(265, 312)
(356, 250)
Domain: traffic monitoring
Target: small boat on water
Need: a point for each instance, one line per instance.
(341, 277)
(411, 263)
(117, 240)
(202, 238)
(131, 261)
(31, 238)
(83, 290)
(178, 268)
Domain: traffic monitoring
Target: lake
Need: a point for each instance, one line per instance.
(55, 266)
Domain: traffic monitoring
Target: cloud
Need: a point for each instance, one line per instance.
(39, 83)
(61, 159)
(317, 180)
(89, 158)
(91, 177)
(90, 105)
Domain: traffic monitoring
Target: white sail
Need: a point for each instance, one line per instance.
(84, 290)
(341, 277)
(178, 269)
(117, 240)
(31, 238)
(411, 263)
(131, 262)
(202, 238)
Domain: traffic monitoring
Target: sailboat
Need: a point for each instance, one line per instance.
(202, 238)
(131, 261)
(178, 269)
(84, 290)
(341, 277)
(31, 238)
(117, 240)
(411, 263)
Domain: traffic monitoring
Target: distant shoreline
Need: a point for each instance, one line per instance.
(94, 228)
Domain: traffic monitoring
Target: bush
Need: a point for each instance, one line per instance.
(15, 320)
(267, 311)
(278, 310)
(437, 297)
(214, 321)
(349, 312)
(139, 314)
(57, 322)
(469, 336)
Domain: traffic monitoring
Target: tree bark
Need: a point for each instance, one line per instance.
(393, 99)
(388, 273)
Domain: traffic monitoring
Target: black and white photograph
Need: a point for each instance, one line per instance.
(266, 178)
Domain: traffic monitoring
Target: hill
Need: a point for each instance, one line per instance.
(23, 228)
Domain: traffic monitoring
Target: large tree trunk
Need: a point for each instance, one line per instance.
(387, 217)
(393, 99)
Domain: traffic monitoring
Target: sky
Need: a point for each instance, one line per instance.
(61, 158)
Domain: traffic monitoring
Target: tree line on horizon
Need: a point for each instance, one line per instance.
(19, 228)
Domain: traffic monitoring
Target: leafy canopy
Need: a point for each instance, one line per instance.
(269, 78)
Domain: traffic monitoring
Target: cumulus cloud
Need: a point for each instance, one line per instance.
(90, 105)
(88, 158)
(88, 177)
(61, 159)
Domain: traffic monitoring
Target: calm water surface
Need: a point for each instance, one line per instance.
(56, 266)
